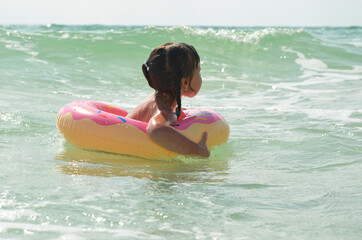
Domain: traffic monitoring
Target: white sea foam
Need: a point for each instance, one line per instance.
(312, 78)
(356, 44)
(316, 72)
(306, 63)
(336, 115)
(65, 36)
(290, 105)
(246, 36)
(36, 60)
(12, 215)
(72, 231)
(25, 48)
(16, 45)
(69, 236)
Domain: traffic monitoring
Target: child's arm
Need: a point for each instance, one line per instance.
(169, 138)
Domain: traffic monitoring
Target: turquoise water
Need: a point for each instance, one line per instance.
(291, 169)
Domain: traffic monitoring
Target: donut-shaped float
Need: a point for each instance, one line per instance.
(99, 126)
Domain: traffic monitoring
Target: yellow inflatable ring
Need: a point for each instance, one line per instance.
(99, 126)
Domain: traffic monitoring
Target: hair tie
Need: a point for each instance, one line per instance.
(147, 67)
(178, 113)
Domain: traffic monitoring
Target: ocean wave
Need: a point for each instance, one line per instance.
(249, 40)
(245, 35)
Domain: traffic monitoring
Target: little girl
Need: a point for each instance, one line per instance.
(173, 70)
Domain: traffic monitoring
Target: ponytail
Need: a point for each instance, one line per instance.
(178, 97)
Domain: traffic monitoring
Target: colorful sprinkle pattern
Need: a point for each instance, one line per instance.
(104, 114)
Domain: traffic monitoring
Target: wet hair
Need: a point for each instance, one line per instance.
(167, 65)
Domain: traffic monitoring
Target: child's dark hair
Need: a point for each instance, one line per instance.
(165, 67)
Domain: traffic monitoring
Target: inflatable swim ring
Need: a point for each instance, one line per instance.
(99, 126)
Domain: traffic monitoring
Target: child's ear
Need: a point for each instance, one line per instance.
(183, 83)
(184, 86)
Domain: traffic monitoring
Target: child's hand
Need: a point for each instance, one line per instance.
(202, 144)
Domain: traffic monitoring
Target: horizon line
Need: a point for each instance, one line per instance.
(180, 25)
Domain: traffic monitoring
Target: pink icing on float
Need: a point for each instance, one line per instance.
(100, 126)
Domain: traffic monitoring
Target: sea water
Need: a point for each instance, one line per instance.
(291, 169)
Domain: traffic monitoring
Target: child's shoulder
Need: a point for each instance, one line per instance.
(144, 111)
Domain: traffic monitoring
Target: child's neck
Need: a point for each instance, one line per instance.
(164, 102)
